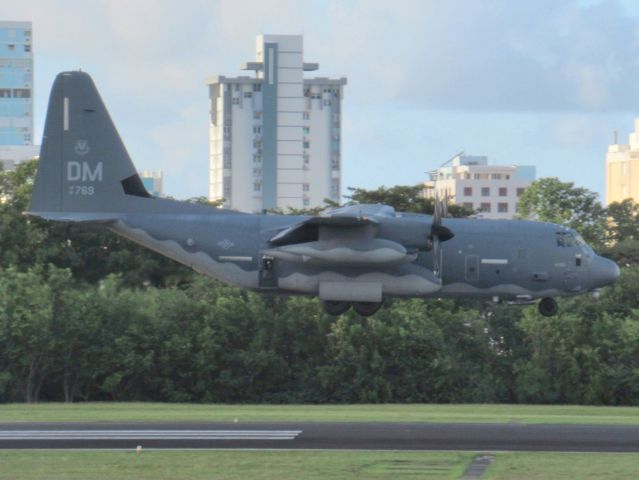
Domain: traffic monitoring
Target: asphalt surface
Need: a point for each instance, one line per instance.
(358, 436)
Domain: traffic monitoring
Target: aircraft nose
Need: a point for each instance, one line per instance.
(605, 272)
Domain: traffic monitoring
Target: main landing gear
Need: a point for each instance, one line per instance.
(365, 309)
(548, 307)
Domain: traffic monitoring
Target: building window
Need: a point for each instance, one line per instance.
(502, 207)
(306, 187)
(27, 48)
(257, 87)
(257, 172)
(485, 207)
(307, 202)
(257, 158)
(507, 177)
(257, 144)
(495, 176)
(21, 93)
(476, 176)
(306, 130)
(12, 47)
(335, 187)
(257, 115)
(503, 191)
(257, 186)
(307, 159)
(520, 191)
(306, 115)
(335, 162)
(485, 191)
(235, 100)
(468, 191)
(257, 129)
(468, 205)
(248, 94)
(307, 144)
(5, 93)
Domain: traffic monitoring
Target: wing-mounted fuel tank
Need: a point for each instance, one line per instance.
(358, 284)
(345, 252)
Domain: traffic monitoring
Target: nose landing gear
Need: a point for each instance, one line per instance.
(548, 307)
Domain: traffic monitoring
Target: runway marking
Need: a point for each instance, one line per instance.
(149, 434)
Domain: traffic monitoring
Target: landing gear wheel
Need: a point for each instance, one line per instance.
(366, 309)
(335, 308)
(548, 307)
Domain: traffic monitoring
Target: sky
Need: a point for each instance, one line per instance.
(542, 83)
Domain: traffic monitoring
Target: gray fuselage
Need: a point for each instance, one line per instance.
(513, 260)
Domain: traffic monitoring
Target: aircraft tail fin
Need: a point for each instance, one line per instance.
(84, 167)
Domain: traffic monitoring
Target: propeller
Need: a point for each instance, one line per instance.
(439, 233)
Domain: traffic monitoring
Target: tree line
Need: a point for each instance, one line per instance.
(87, 316)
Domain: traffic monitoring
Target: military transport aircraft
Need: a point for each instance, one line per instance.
(357, 256)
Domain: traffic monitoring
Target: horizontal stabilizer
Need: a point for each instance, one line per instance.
(79, 217)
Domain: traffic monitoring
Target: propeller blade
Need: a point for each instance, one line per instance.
(438, 232)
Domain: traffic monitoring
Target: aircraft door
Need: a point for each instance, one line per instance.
(267, 272)
(471, 272)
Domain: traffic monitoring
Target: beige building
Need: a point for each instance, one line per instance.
(622, 169)
(492, 191)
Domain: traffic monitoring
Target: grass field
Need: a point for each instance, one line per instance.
(230, 465)
(289, 465)
(105, 412)
(560, 466)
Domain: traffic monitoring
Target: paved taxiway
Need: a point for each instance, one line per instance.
(364, 436)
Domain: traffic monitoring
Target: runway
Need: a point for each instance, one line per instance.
(356, 436)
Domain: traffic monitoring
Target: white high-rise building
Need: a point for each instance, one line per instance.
(492, 191)
(275, 137)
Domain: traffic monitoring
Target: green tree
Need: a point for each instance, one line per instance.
(404, 198)
(623, 222)
(550, 200)
(26, 335)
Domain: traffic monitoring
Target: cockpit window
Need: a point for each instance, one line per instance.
(569, 239)
(580, 241)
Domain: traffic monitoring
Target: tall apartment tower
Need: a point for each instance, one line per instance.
(622, 169)
(16, 93)
(275, 136)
